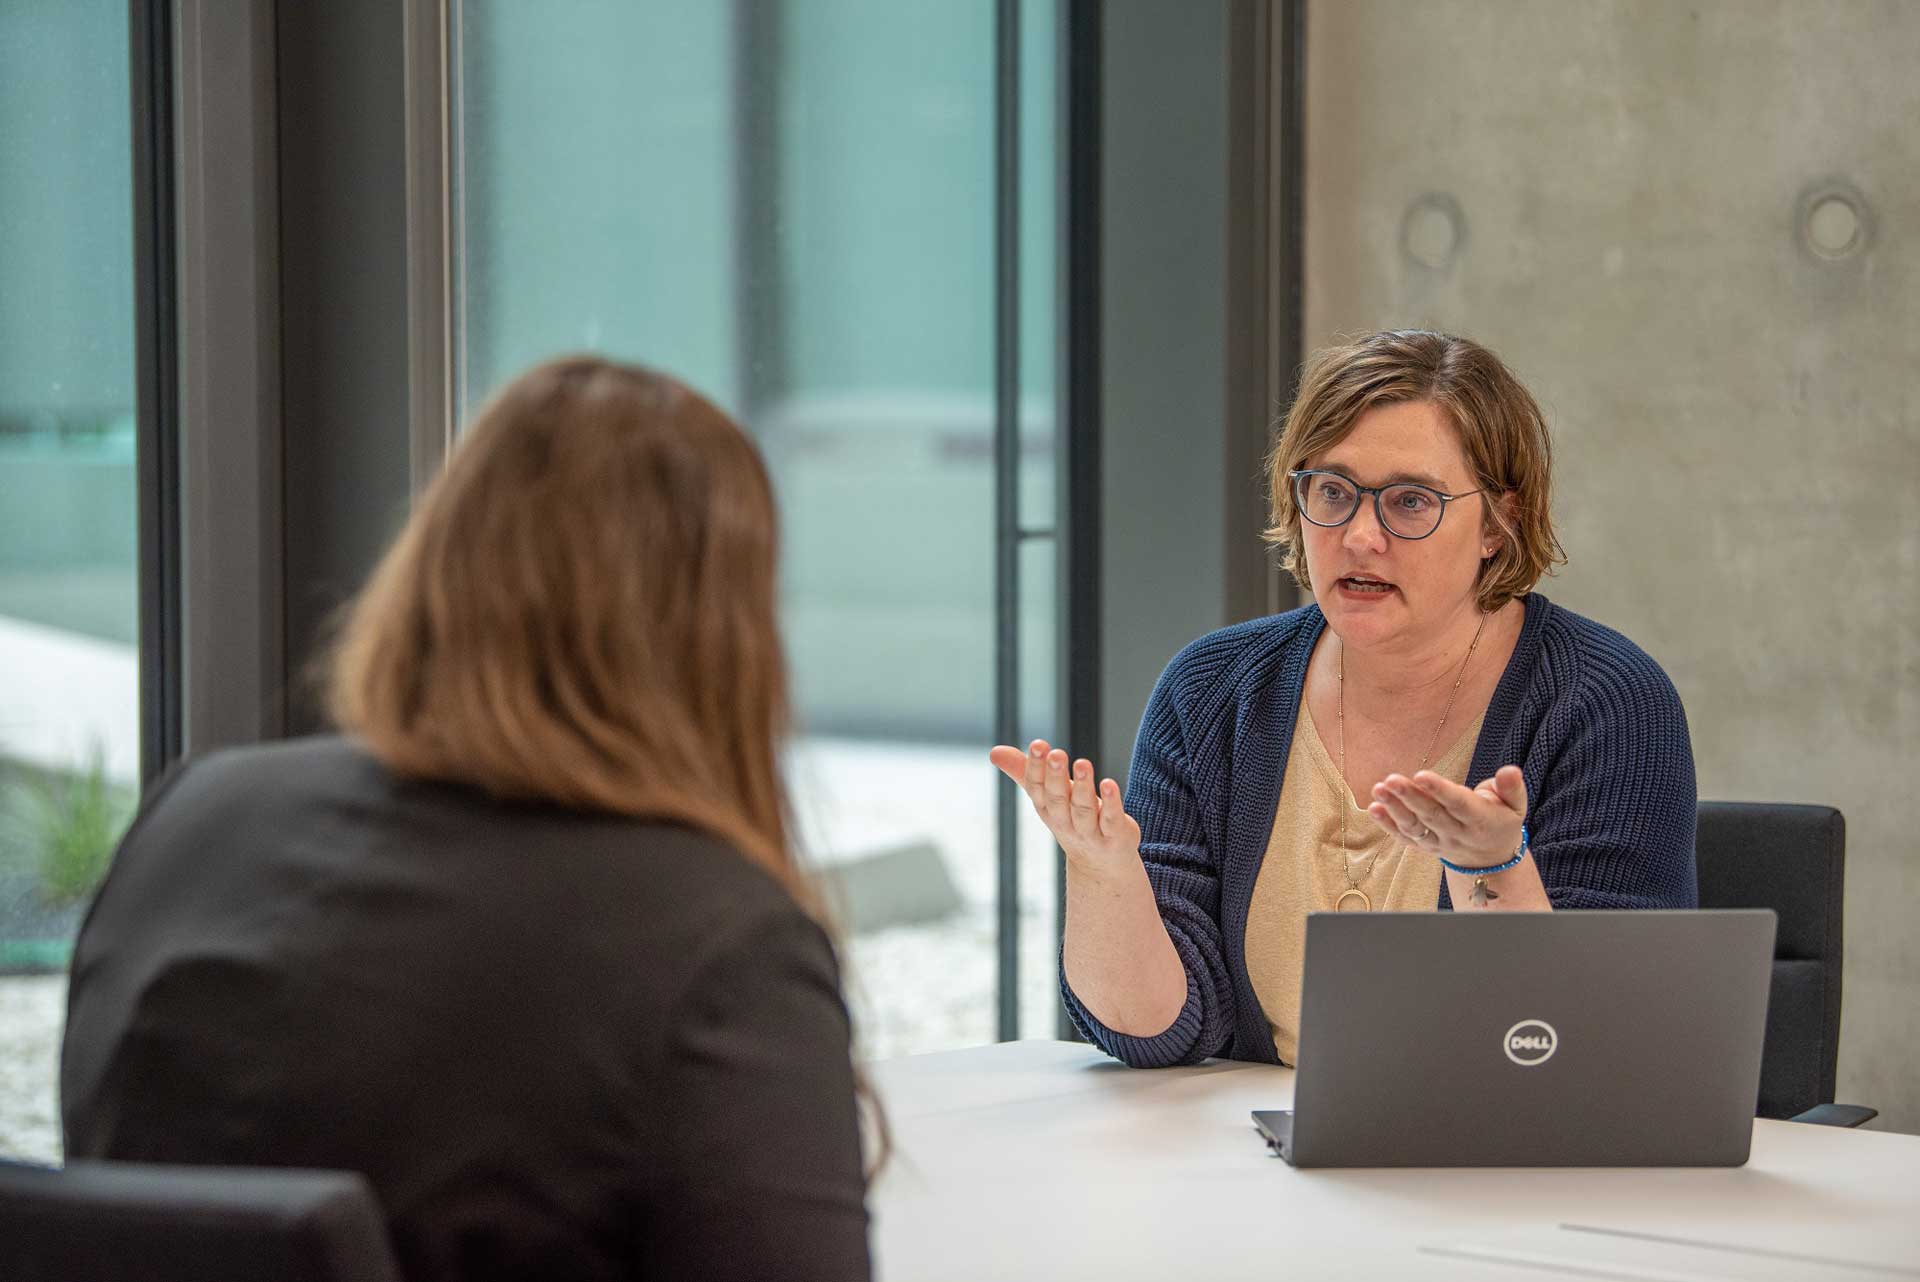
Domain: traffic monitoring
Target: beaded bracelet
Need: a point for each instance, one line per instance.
(1514, 862)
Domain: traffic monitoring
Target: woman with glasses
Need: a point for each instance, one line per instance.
(1430, 733)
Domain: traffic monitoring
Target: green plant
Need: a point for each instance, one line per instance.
(74, 821)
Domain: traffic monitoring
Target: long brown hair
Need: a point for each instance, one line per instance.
(582, 610)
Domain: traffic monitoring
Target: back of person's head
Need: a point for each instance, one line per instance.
(581, 610)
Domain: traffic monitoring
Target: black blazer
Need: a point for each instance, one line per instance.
(559, 1044)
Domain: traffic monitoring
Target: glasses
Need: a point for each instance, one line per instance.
(1404, 510)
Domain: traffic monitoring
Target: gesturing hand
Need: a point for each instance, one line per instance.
(1089, 822)
(1474, 827)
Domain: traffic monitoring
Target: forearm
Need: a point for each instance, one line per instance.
(1118, 956)
(1517, 890)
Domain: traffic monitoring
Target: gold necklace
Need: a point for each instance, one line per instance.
(1361, 902)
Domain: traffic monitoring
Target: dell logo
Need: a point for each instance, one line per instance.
(1530, 1042)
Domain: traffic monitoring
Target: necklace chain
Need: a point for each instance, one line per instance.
(1340, 707)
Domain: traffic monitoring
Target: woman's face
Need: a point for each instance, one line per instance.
(1429, 581)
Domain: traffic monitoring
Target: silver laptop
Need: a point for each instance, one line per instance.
(1528, 1039)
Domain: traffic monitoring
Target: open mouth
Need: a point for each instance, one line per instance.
(1366, 585)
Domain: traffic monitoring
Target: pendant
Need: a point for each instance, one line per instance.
(1353, 901)
(1481, 894)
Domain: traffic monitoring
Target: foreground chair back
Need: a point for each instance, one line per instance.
(108, 1221)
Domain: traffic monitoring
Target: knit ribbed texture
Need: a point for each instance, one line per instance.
(1591, 720)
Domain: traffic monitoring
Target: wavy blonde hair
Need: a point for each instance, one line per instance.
(581, 610)
(1499, 424)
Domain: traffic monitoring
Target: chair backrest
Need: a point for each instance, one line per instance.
(109, 1221)
(1791, 859)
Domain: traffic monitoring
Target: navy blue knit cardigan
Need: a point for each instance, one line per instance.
(1592, 720)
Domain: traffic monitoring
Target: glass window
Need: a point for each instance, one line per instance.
(69, 703)
(792, 206)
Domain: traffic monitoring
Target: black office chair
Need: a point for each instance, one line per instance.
(114, 1221)
(1791, 859)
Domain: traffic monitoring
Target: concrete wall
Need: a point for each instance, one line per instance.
(1616, 197)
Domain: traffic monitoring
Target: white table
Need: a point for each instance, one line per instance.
(1037, 1160)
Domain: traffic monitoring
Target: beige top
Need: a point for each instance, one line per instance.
(1301, 872)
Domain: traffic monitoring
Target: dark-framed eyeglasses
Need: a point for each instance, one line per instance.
(1404, 509)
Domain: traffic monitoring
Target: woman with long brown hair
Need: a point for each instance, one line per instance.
(526, 944)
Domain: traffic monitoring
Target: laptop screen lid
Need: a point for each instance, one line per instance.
(1531, 1039)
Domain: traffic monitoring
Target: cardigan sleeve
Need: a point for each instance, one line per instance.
(1185, 876)
(1613, 812)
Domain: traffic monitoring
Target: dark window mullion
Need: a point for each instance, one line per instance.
(1078, 441)
(1286, 255)
(1007, 532)
(157, 390)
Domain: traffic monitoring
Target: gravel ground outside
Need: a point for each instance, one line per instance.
(31, 1010)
